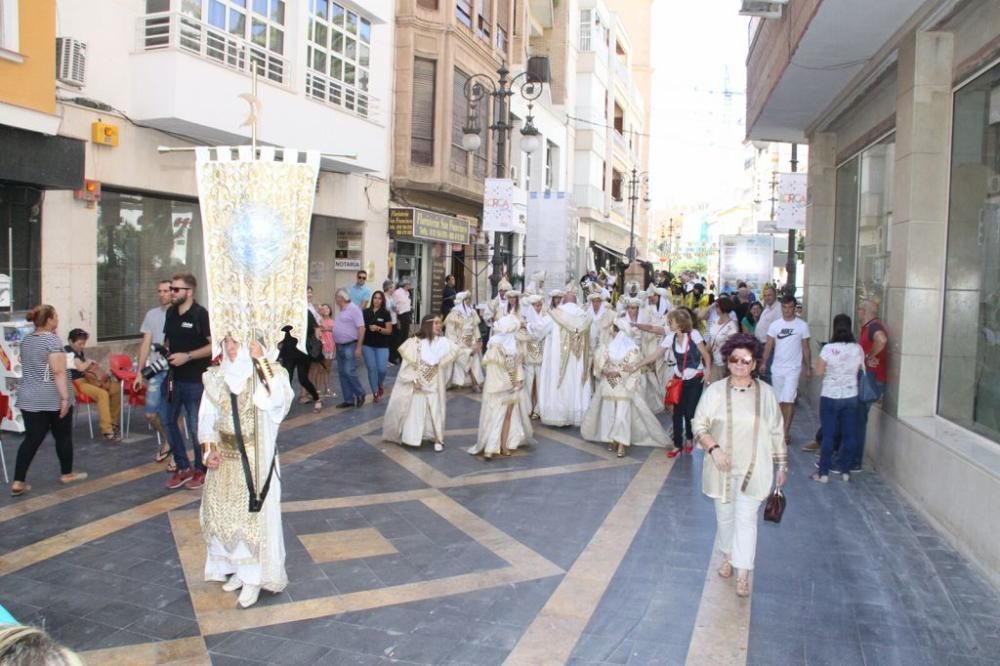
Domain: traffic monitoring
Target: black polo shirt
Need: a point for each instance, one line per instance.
(186, 333)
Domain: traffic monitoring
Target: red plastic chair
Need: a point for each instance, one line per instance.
(120, 365)
(83, 399)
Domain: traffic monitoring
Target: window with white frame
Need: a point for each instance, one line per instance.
(339, 56)
(585, 30)
(9, 26)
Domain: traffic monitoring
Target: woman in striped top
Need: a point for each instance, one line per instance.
(44, 398)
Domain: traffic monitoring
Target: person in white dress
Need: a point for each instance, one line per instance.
(565, 381)
(244, 543)
(725, 327)
(602, 317)
(534, 350)
(462, 330)
(555, 299)
(631, 291)
(416, 409)
(653, 324)
(504, 424)
(618, 414)
(498, 306)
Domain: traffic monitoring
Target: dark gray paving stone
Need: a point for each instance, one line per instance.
(294, 653)
(164, 626)
(472, 654)
(249, 645)
(660, 654)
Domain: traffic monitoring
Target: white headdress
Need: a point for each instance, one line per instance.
(503, 334)
(623, 342)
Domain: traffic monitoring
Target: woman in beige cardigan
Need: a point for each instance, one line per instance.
(739, 426)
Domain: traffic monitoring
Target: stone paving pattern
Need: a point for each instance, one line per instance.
(469, 556)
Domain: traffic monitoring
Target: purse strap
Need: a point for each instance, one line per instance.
(256, 501)
(729, 435)
(684, 358)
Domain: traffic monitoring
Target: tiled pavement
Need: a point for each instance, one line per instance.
(558, 554)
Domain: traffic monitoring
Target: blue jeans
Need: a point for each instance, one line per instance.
(863, 407)
(839, 419)
(377, 363)
(347, 369)
(186, 399)
(155, 399)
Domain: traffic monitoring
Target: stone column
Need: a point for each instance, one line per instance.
(819, 240)
(920, 216)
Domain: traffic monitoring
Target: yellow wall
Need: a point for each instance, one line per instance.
(32, 83)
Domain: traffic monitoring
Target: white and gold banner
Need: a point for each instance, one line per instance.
(255, 216)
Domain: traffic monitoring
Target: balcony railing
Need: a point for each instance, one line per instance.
(173, 30)
(342, 95)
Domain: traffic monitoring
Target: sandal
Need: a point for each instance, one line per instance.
(743, 585)
(109, 436)
(621, 450)
(726, 569)
(73, 478)
(17, 492)
(171, 466)
(163, 453)
(318, 406)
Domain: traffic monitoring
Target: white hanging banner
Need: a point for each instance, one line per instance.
(499, 213)
(793, 200)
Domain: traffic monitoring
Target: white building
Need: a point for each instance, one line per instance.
(610, 128)
(172, 72)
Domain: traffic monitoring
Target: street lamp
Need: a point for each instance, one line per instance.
(634, 198)
(477, 88)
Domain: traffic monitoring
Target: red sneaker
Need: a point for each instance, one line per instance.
(673, 453)
(196, 481)
(179, 478)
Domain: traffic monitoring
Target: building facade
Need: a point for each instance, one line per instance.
(903, 126)
(134, 75)
(611, 112)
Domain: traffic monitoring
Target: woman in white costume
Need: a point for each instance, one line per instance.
(618, 414)
(534, 351)
(602, 316)
(503, 419)
(416, 409)
(653, 324)
(245, 546)
(462, 329)
(555, 299)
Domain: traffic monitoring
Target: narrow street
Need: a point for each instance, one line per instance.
(561, 553)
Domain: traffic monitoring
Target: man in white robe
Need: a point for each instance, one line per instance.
(565, 380)
(245, 547)
(534, 350)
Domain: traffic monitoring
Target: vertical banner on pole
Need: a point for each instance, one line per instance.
(255, 219)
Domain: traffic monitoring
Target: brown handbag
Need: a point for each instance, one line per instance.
(775, 506)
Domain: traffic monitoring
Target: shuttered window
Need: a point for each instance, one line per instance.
(459, 111)
(422, 119)
(503, 20)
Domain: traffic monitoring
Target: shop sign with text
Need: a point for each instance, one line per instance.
(428, 225)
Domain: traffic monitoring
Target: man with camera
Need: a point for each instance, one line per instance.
(153, 363)
(187, 336)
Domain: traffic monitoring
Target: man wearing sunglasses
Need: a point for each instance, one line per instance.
(188, 338)
(360, 292)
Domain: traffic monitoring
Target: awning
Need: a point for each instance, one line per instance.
(607, 250)
(31, 158)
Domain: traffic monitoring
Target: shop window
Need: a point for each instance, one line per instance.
(875, 204)
(20, 247)
(845, 238)
(142, 239)
(969, 388)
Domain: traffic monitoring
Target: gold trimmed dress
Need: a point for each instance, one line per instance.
(462, 331)
(250, 545)
(416, 409)
(503, 397)
(618, 413)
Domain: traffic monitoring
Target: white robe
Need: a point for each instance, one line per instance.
(564, 395)
(462, 331)
(259, 560)
(654, 377)
(503, 394)
(534, 353)
(618, 413)
(416, 409)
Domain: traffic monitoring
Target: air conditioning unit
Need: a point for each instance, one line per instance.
(765, 9)
(71, 61)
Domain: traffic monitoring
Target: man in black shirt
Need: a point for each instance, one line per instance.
(448, 296)
(188, 337)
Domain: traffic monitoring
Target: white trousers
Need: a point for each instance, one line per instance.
(736, 535)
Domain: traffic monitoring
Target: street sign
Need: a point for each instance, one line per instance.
(428, 225)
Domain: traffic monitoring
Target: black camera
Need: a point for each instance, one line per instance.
(157, 364)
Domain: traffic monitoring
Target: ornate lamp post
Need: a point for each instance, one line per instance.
(477, 88)
(633, 197)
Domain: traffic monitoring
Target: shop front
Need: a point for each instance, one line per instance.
(423, 251)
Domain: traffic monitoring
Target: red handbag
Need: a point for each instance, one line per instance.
(676, 384)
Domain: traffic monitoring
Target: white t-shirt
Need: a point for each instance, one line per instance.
(788, 337)
(843, 361)
(690, 371)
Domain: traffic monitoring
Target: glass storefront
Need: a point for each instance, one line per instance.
(141, 239)
(845, 238)
(20, 248)
(969, 391)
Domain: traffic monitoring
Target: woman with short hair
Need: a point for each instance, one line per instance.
(725, 327)
(739, 426)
